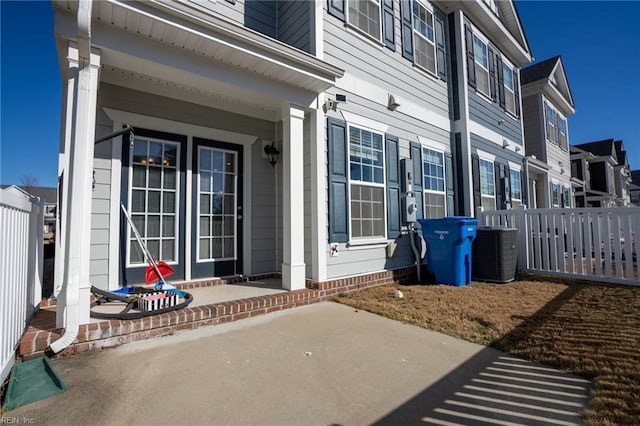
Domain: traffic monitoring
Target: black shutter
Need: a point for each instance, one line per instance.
(336, 8)
(448, 172)
(471, 65)
(418, 177)
(393, 186)
(501, 100)
(475, 171)
(441, 52)
(406, 13)
(493, 84)
(507, 186)
(497, 167)
(516, 90)
(388, 27)
(338, 182)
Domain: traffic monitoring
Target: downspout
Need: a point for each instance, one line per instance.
(74, 221)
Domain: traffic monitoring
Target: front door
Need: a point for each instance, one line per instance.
(216, 244)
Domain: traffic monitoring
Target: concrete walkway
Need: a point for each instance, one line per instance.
(321, 364)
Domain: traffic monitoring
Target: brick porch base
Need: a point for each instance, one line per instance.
(111, 333)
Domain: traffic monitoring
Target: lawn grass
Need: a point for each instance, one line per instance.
(592, 330)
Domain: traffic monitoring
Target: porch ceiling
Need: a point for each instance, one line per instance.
(226, 54)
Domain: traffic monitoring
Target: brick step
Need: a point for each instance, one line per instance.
(112, 333)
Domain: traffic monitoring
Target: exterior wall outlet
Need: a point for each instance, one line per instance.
(333, 252)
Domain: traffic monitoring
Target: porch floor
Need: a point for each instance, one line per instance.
(215, 302)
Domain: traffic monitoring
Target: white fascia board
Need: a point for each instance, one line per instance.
(170, 126)
(370, 91)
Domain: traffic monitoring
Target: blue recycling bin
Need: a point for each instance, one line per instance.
(449, 248)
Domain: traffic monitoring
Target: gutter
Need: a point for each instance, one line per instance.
(73, 249)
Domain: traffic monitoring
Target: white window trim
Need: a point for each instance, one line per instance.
(514, 70)
(548, 105)
(444, 178)
(485, 157)
(235, 214)
(367, 240)
(364, 34)
(555, 183)
(177, 212)
(429, 9)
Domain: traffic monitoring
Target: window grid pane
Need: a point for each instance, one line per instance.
(487, 182)
(434, 205)
(367, 212)
(153, 199)
(516, 191)
(365, 15)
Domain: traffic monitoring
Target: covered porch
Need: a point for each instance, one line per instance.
(204, 100)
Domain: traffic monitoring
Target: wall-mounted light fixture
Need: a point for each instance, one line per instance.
(272, 153)
(505, 143)
(331, 104)
(517, 148)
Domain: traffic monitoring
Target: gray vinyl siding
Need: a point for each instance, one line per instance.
(362, 260)
(533, 117)
(379, 65)
(492, 116)
(100, 207)
(502, 155)
(261, 15)
(308, 253)
(294, 23)
(263, 207)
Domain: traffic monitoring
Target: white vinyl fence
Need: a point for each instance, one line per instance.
(597, 244)
(21, 261)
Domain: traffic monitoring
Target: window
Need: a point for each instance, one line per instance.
(516, 188)
(366, 174)
(365, 15)
(424, 42)
(487, 185)
(551, 128)
(555, 195)
(562, 130)
(566, 194)
(153, 199)
(481, 65)
(433, 186)
(217, 204)
(509, 88)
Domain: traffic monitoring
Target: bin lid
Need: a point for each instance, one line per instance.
(463, 220)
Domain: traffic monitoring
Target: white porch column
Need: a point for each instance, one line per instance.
(82, 91)
(293, 267)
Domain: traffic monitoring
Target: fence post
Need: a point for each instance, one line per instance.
(523, 233)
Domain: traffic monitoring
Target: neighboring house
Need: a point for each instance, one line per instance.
(546, 104)
(604, 168)
(50, 197)
(634, 188)
(346, 92)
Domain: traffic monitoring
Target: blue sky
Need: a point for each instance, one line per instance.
(598, 41)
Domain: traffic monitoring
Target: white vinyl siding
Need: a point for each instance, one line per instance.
(424, 39)
(367, 185)
(153, 199)
(487, 185)
(481, 57)
(365, 16)
(434, 183)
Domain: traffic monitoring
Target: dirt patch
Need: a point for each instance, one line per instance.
(592, 330)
